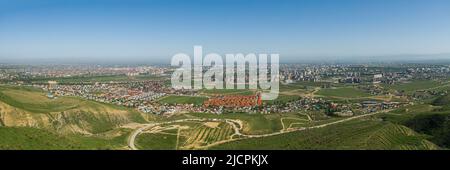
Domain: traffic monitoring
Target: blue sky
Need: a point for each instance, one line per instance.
(154, 30)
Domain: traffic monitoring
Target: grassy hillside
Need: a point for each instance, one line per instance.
(358, 134)
(34, 100)
(25, 106)
(157, 141)
(430, 120)
(435, 123)
(15, 138)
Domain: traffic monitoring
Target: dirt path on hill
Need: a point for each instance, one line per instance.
(237, 130)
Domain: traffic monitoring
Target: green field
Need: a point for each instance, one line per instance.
(404, 114)
(184, 135)
(294, 122)
(414, 85)
(156, 141)
(344, 92)
(202, 135)
(282, 99)
(196, 100)
(34, 100)
(303, 85)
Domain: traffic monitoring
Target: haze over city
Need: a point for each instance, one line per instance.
(99, 31)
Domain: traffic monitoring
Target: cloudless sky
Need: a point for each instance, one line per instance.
(155, 30)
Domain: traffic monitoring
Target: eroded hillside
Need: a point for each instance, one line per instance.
(28, 107)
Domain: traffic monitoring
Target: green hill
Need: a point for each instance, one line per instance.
(25, 138)
(357, 134)
(29, 107)
(442, 101)
(436, 125)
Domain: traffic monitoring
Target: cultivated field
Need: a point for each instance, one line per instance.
(185, 135)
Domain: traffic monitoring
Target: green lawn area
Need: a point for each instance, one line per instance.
(157, 141)
(345, 92)
(196, 100)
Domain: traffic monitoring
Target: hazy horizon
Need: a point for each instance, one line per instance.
(51, 31)
(433, 58)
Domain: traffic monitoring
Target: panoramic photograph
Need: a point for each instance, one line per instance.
(224, 75)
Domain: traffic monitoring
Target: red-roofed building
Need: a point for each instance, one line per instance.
(234, 101)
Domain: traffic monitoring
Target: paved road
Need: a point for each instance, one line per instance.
(237, 130)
